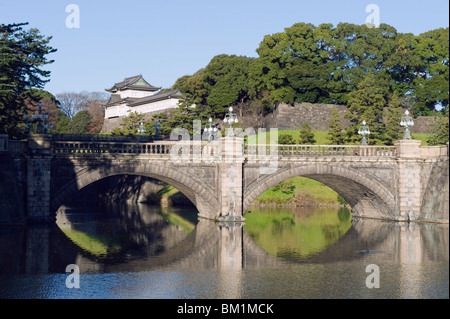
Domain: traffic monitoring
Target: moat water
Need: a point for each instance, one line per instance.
(141, 251)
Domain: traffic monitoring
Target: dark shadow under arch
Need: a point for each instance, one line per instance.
(367, 196)
(202, 196)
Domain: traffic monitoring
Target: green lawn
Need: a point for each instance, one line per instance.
(421, 137)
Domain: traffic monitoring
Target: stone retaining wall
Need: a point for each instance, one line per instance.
(318, 116)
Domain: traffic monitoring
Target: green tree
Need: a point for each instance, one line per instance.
(367, 103)
(393, 115)
(306, 134)
(431, 83)
(227, 79)
(268, 71)
(22, 58)
(439, 130)
(286, 139)
(79, 123)
(335, 132)
(62, 126)
(48, 107)
(194, 88)
(130, 124)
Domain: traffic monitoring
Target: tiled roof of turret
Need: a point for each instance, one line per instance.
(157, 97)
(115, 99)
(131, 84)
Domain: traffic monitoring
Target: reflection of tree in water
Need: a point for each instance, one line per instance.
(119, 233)
(106, 224)
(295, 234)
(279, 225)
(333, 232)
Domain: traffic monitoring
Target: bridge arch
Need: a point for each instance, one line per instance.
(365, 194)
(198, 192)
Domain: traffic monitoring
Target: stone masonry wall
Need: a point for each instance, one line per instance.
(435, 184)
(12, 192)
(291, 117)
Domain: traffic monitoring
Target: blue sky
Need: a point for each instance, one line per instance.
(164, 40)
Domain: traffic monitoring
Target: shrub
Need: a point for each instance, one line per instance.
(286, 139)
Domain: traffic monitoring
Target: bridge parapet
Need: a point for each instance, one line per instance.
(94, 147)
(404, 148)
(433, 151)
(319, 150)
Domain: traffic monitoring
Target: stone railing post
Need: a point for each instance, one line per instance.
(3, 142)
(409, 183)
(230, 185)
(38, 179)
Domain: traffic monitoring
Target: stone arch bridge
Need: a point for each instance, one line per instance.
(222, 178)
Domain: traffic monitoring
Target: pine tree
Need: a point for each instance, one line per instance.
(306, 134)
(439, 130)
(22, 56)
(367, 103)
(335, 133)
(130, 124)
(393, 114)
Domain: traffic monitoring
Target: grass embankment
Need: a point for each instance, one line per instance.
(169, 196)
(300, 191)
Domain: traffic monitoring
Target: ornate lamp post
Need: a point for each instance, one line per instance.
(230, 118)
(141, 129)
(210, 129)
(40, 118)
(406, 122)
(364, 130)
(156, 127)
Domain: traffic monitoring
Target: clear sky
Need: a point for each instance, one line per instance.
(164, 40)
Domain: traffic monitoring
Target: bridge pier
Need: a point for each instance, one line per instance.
(39, 179)
(409, 179)
(231, 176)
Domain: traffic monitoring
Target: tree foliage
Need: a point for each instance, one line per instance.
(363, 68)
(79, 123)
(286, 139)
(306, 134)
(440, 130)
(23, 54)
(130, 124)
(335, 133)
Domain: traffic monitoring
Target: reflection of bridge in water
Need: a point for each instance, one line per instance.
(226, 247)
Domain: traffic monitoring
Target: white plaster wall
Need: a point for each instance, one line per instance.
(156, 106)
(134, 93)
(124, 110)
